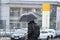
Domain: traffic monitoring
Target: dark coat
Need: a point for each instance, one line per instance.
(33, 31)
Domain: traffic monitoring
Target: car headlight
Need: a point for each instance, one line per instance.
(20, 36)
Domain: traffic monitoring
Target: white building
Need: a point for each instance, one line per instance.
(12, 9)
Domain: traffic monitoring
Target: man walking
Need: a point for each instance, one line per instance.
(33, 30)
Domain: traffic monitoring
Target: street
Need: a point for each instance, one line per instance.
(8, 38)
(4, 38)
(52, 39)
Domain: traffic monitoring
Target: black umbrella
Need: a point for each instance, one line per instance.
(28, 17)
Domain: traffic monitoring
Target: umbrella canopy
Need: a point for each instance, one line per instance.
(27, 17)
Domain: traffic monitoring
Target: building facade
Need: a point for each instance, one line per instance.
(11, 11)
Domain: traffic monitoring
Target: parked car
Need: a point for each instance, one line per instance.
(51, 32)
(20, 34)
(57, 34)
(46, 34)
(26, 29)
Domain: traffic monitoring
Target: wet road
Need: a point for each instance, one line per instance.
(52, 39)
(8, 38)
(5, 38)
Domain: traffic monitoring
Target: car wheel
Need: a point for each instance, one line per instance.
(59, 36)
(55, 37)
(51, 36)
(48, 38)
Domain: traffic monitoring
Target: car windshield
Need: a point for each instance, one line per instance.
(43, 32)
(20, 31)
(24, 29)
(50, 32)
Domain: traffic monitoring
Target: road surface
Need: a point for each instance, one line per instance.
(8, 38)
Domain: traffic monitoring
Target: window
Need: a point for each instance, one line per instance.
(39, 13)
(44, 32)
(14, 20)
(2, 24)
(24, 24)
(14, 15)
(14, 11)
(14, 25)
(53, 17)
(51, 32)
(26, 10)
(38, 10)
